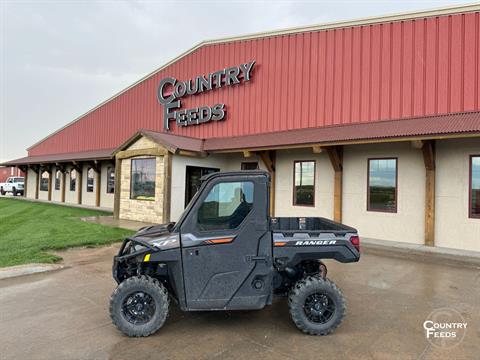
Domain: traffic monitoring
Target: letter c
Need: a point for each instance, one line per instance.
(162, 99)
(425, 324)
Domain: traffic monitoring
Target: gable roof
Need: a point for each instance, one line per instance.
(173, 143)
(456, 9)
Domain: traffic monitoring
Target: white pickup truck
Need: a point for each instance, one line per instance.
(14, 184)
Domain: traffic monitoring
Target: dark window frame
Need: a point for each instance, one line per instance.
(470, 188)
(131, 178)
(246, 163)
(110, 169)
(188, 170)
(294, 199)
(59, 180)
(88, 178)
(41, 182)
(369, 208)
(74, 180)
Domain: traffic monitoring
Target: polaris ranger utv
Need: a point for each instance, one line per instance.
(226, 253)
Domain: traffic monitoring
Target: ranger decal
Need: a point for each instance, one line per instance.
(315, 242)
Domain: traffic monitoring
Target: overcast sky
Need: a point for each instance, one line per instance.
(61, 58)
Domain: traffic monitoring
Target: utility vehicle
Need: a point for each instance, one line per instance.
(227, 253)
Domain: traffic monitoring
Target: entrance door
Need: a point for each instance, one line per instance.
(226, 246)
(192, 180)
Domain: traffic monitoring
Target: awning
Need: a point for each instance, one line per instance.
(421, 127)
(427, 127)
(102, 154)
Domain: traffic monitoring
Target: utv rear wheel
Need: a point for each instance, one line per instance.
(316, 305)
(139, 306)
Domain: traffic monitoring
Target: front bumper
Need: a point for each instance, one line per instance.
(131, 252)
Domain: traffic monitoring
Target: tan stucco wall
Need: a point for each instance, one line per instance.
(407, 225)
(324, 182)
(453, 227)
(56, 194)
(31, 184)
(106, 200)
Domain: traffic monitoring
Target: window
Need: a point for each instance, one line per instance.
(142, 184)
(382, 185)
(193, 174)
(475, 187)
(90, 180)
(110, 180)
(304, 183)
(44, 181)
(226, 206)
(73, 179)
(57, 179)
(249, 165)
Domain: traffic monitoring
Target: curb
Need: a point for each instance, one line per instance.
(421, 253)
(29, 269)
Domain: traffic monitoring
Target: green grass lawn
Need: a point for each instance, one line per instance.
(28, 230)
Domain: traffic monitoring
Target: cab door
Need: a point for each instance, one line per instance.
(226, 245)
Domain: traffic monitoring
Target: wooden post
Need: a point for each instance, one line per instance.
(335, 153)
(98, 187)
(79, 187)
(428, 151)
(268, 158)
(37, 183)
(25, 181)
(63, 185)
(116, 195)
(98, 181)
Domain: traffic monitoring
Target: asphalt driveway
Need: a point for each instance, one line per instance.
(64, 315)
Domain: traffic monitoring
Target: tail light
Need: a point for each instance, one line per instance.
(355, 240)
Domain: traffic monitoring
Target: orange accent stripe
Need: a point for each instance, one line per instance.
(220, 241)
(280, 243)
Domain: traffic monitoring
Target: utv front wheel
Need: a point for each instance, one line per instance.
(316, 305)
(139, 306)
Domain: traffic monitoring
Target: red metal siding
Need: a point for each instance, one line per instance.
(7, 171)
(358, 74)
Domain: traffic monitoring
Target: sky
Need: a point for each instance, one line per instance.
(60, 58)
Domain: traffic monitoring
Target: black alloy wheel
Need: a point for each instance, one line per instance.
(316, 305)
(319, 308)
(138, 308)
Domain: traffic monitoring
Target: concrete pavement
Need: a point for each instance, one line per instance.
(64, 315)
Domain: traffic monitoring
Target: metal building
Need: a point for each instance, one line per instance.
(373, 122)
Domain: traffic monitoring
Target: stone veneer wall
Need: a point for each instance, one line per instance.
(142, 210)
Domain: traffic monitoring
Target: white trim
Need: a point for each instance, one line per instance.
(450, 10)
